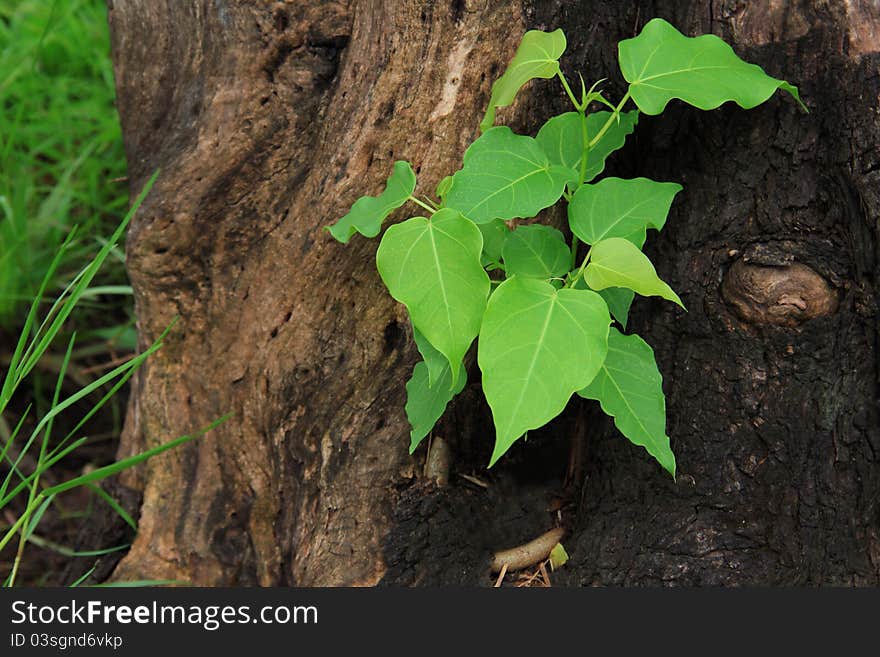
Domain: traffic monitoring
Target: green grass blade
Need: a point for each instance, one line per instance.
(8, 444)
(82, 578)
(122, 513)
(11, 379)
(84, 282)
(36, 516)
(70, 552)
(139, 583)
(52, 460)
(130, 365)
(136, 362)
(120, 290)
(131, 461)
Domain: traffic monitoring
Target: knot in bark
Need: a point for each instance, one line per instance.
(779, 295)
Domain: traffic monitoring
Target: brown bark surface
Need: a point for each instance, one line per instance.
(268, 119)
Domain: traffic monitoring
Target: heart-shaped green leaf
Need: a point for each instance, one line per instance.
(538, 346)
(506, 176)
(536, 251)
(368, 212)
(425, 402)
(614, 207)
(562, 138)
(617, 262)
(434, 360)
(619, 300)
(536, 57)
(630, 389)
(661, 64)
(433, 267)
(495, 234)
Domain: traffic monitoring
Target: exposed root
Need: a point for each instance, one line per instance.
(501, 576)
(528, 554)
(438, 462)
(476, 481)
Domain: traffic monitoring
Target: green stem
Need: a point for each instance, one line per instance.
(494, 265)
(571, 97)
(611, 118)
(22, 519)
(32, 495)
(580, 271)
(586, 149)
(424, 205)
(23, 536)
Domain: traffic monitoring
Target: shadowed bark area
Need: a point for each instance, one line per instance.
(269, 119)
(771, 375)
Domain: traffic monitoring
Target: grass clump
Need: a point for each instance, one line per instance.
(61, 156)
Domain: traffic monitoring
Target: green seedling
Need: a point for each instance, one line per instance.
(550, 321)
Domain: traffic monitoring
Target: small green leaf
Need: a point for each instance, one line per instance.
(434, 360)
(617, 262)
(443, 187)
(562, 139)
(614, 207)
(495, 234)
(433, 267)
(368, 212)
(630, 389)
(506, 176)
(619, 300)
(558, 557)
(536, 57)
(538, 345)
(661, 64)
(426, 402)
(536, 251)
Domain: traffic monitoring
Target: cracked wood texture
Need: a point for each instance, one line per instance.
(268, 119)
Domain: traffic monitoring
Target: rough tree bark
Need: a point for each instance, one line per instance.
(268, 119)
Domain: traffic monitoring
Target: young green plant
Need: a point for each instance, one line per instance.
(553, 325)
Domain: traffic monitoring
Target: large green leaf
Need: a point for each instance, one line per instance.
(433, 267)
(538, 346)
(536, 251)
(495, 234)
(368, 212)
(630, 389)
(617, 262)
(505, 176)
(536, 57)
(425, 401)
(434, 360)
(562, 138)
(661, 64)
(614, 207)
